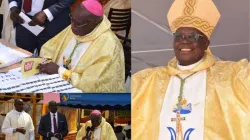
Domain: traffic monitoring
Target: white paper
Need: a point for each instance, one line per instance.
(9, 56)
(41, 83)
(17, 72)
(36, 30)
(8, 77)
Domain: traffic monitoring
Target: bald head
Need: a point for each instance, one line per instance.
(83, 21)
(18, 100)
(53, 106)
(18, 105)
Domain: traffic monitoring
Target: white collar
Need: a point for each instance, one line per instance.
(18, 113)
(189, 67)
(52, 114)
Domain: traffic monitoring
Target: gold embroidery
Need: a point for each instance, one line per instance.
(188, 19)
(192, 20)
(189, 9)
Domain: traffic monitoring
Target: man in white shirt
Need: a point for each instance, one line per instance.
(17, 124)
(51, 14)
(53, 125)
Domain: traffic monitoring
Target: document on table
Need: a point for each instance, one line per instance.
(9, 56)
(36, 30)
(8, 77)
(41, 83)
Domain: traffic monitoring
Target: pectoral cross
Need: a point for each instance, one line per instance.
(178, 119)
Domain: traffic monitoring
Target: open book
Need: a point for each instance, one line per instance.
(9, 56)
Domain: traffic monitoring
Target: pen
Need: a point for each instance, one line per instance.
(35, 53)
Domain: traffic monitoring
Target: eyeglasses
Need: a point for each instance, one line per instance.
(75, 22)
(178, 37)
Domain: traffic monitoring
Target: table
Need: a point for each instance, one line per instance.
(15, 48)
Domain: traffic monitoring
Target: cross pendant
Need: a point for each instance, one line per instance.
(178, 119)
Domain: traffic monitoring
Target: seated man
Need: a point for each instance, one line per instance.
(96, 129)
(87, 53)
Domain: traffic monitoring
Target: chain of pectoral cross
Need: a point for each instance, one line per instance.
(178, 118)
(181, 88)
(68, 61)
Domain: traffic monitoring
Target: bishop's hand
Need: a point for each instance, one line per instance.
(48, 68)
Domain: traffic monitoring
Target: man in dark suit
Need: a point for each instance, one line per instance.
(51, 14)
(53, 125)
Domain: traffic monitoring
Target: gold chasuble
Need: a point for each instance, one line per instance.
(227, 103)
(103, 132)
(211, 102)
(101, 68)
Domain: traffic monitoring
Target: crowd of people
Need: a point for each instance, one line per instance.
(18, 125)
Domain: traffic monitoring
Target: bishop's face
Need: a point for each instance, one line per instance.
(82, 21)
(96, 120)
(189, 45)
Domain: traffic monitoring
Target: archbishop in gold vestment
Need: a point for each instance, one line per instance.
(101, 68)
(107, 132)
(227, 99)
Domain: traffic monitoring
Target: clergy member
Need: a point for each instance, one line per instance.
(18, 124)
(87, 53)
(96, 129)
(195, 96)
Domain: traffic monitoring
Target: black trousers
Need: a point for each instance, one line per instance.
(28, 41)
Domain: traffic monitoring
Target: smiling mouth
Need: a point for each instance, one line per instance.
(185, 50)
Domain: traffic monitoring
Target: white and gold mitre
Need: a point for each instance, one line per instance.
(200, 14)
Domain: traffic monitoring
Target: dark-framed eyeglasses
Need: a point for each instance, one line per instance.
(75, 22)
(178, 37)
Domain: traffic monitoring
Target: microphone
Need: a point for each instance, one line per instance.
(90, 130)
(88, 134)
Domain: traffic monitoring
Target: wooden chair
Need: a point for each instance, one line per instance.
(120, 21)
